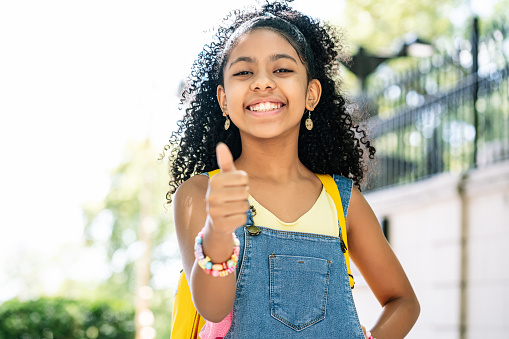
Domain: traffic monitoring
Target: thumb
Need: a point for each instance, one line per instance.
(224, 158)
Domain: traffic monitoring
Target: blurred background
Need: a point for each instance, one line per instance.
(88, 99)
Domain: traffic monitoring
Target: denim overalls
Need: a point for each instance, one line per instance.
(293, 285)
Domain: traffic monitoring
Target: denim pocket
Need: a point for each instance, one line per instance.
(298, 289)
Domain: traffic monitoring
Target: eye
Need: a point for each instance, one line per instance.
(283, 70)
(241, 73)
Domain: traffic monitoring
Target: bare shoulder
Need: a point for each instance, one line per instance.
(358, 208)
(356, 195)
(193, 187)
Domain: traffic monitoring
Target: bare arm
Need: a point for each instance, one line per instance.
(381, 270)
(219, 205)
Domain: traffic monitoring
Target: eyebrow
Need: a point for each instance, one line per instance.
(275, 57)
(240, 59)
(272, 58)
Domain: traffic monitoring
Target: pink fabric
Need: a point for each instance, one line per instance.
(216, 330)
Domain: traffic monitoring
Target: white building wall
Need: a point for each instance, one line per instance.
(488, 253)
(426, 221)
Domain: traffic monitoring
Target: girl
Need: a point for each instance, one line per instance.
(265, 93)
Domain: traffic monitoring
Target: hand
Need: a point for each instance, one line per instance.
(227, 194)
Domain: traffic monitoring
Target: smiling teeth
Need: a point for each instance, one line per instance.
(265, 106)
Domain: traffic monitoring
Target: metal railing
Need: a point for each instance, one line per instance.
(446, 114)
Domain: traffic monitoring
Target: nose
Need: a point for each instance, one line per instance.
(262, 81)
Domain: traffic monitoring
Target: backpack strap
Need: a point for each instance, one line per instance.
(331, 187)
(212, 173)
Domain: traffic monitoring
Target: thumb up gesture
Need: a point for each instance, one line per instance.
(227, 194)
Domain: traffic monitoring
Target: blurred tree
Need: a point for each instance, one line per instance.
(132, 224)
(378, 25)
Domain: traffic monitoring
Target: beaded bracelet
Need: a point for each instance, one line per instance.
(217, 270)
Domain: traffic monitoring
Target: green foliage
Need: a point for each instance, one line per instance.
(49, 318)
(137, 193)
(376, 24)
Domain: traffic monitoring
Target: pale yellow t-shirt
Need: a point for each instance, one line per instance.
(322, 218)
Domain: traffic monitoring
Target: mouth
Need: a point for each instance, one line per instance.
(265, 106)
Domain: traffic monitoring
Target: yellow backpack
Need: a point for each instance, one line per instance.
(187, 322)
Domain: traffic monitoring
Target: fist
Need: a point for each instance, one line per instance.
(227, 194)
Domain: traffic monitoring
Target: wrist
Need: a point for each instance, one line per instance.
(217, 245)
(211, 231)
(217, 268)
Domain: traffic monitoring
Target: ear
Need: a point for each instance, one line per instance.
(221, 97)
(314, 92)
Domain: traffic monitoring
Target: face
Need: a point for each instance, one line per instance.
(266, 88)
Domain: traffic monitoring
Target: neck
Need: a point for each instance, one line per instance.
(274, 160)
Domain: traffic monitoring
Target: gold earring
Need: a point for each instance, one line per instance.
(227, 122)
(309, 122)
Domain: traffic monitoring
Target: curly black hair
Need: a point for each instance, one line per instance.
(336, 144)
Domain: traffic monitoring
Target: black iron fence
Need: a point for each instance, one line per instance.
(446, 114)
